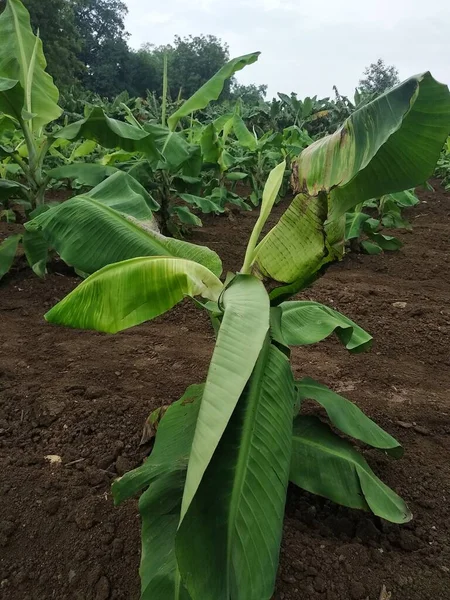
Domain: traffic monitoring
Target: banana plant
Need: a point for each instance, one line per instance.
(443, 166)
(29, 104)
(214, 486)
(175, 173)
(364, 231)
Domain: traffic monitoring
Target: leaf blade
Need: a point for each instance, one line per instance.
(241, 336)
(327, 465)
(126, 294)
(305, 322)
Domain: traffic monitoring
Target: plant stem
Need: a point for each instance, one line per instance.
(31, 146)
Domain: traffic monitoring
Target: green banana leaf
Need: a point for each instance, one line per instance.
(84, 148)
(405, 199)
(131, 292)
(206, 205)
(386, 146)
(371, 247)
(185, 216)
(175, 150)
(160, 513)
(209, 144)
(347, 417)
(243, 135)
(385, 242)
(125, 194)
(171, 449)
(89, 235)
(228, 542)
(36, 251)
(327, 465)
(353, 224)
(8, 249)
(110, 133)
(241, 335)
(10, 188)
(212, 89)
(22, 58)
(11, 101)
(304, 322)
(90, 174)
(165, 472)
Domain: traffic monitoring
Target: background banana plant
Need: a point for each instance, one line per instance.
(364, 225)
(214, 486)
(119, 210)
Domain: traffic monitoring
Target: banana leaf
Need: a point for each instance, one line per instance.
(128, 293)
(212, 89)
(110, 133)
(241, 336)
(228, 543)
(22, 59)
(388, 145)
(89, 235)
(325, 464)
(347, 417)
(8, 250)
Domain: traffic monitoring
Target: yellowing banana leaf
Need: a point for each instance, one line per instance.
(327, 465)
(388, 145)
(22, 58)
(212, 89)
(131, 292)
(301, 242)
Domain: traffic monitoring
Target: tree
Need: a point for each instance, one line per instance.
(55, 20)
(249, 94)
(194, 60)
(379, 78)
(104, 50)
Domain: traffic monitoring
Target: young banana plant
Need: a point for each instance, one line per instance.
(214, 486)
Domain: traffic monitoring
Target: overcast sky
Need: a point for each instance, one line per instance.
(307, 46)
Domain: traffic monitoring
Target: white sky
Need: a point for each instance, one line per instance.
(307, 46)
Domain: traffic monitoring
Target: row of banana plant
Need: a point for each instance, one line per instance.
(213, 489)
(174, 169)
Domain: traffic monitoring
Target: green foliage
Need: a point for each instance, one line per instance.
(443, 165)
(364, 231)
(227, 470)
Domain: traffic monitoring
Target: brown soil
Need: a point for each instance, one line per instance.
(84, 397)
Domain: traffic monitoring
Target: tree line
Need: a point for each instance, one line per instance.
(86, 47)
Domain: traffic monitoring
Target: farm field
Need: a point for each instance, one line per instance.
(84, 396)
